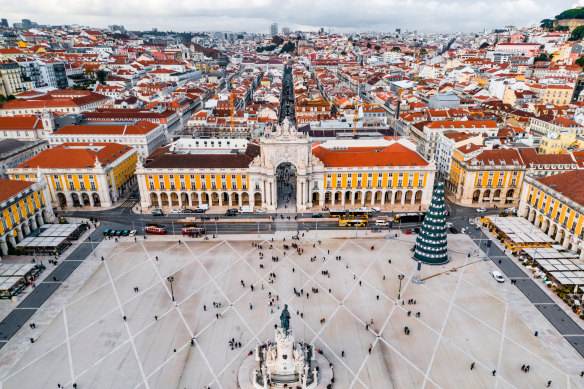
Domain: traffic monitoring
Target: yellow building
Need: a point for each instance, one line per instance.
(337, 173)
(24, 206)
(492, 177)
(554, 94)
(558, 143)
(555, 204)
(11, 81)
(82, 174)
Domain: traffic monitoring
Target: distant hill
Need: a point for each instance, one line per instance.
(567, 20)
(576, 13)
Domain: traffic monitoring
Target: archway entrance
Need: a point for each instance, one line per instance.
(286, 185)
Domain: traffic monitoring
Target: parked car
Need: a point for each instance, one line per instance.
(453, 230)
(381, 222)
(376, 209)
(316, 215)
(202, 207)
(246, 209)
(261, 210)
(417, 230)
(119, 232)
(498, 276)
(481, 210)
(126, 232)
(231, 212)
(176, 210)
(187, 210)
(511, 210)
(200, 210)
(157, 212)
(106, 232)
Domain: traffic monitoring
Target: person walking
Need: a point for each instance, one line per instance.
(472, 365)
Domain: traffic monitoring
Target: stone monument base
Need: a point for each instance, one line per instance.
(245, 375)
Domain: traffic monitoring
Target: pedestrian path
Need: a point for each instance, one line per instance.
(31, 303)
(548, 307)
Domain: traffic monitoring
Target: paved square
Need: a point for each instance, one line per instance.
(465, 317)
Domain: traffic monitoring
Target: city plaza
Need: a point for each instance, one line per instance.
(465, 316)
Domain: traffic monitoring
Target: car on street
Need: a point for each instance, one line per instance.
(119, 232)
(481, 210)
(231, 212)
(498, 276)
(187, 210)
(200, 210)
(176, 210)
(376, 209)
(511, 210)
(157, 212)
(126, 232)
(381, 222)
(261, 210)
(453, 230)
(132, 233)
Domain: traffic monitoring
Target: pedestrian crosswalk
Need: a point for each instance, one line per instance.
(128, 204)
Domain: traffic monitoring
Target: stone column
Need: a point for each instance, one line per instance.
(383, 194)
(11, 239)
(3, 248)
(19, 234)
(230, 200)
(220, 199)
(240, 199)
(343, 194)
(26, 227)
(91, 203)
(352, 198)
(33, 223)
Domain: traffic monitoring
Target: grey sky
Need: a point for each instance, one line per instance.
(256, 15)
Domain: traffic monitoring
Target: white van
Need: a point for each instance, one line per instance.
(202, 207)
(246, 209)
(381, 222)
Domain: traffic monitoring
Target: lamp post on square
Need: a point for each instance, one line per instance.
(400, 277)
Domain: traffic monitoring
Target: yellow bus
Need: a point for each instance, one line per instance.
(352, 222)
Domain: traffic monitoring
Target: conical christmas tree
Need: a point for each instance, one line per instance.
(431, 245)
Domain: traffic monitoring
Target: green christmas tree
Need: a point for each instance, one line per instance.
(431, 246)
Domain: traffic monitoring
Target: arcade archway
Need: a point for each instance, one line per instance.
(286, 185)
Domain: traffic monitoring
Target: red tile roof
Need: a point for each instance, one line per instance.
(392, 155)
(76, 155)
(9, 188)
(570, 184)
(20, 123)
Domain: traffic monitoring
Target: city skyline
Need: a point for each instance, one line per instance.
(439, 16)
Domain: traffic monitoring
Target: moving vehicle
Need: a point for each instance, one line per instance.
(192, 229)
(511, 210)
(202, 208)
(498, 276)
(409, 217)
(316, 215)
(187, 210)
(246, 209)
(346, 213)
(352, 222)
(231, 212)
(176, 210)
(453, 230)
(381, 222)
(155, 229)
(157, 212)
(261, 210)
(481, 210)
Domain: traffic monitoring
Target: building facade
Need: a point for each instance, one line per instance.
(82, 174)
(336, 173)
(555, 204)
(24, 206)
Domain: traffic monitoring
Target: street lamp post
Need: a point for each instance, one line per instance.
(171, 280)
(400, 277)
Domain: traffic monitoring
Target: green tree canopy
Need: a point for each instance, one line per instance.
(580, 61)
(288, 47)
(577, 33)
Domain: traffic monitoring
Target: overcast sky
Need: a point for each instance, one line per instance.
(257, 15)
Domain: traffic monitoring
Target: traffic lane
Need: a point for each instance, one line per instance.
(532, 291)
(559, 319)
(14, 322)
(63, 271)
(39, 295)
(577, 342)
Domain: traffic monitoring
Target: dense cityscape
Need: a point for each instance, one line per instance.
(405, 208)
